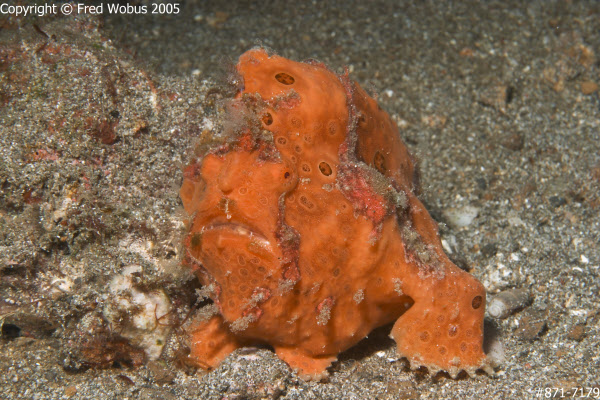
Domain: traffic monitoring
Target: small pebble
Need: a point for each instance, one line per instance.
(557, 201)
(577, 332)
(70, 391)
(497, 96)
(531, 326)
(161, 372)
(589, 87)
(514, 142)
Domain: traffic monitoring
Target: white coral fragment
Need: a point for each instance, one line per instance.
(139, 314)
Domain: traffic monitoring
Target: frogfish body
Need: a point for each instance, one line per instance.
(307, 231)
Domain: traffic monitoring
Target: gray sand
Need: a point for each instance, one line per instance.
(99, 115)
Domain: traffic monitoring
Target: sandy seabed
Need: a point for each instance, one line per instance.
(99, 114)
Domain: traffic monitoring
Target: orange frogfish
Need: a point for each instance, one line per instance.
(307, 232)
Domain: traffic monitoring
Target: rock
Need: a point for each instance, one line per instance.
(70, 391)
(588, 87)
(489, 250)
(514, 142)
(531, 326)
(161, 373)
(147, 393)
(577, 332)
(497, 96)
(557, 201)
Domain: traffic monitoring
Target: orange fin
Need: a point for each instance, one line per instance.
(441, 338)
(306, 366)
(211, 342)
